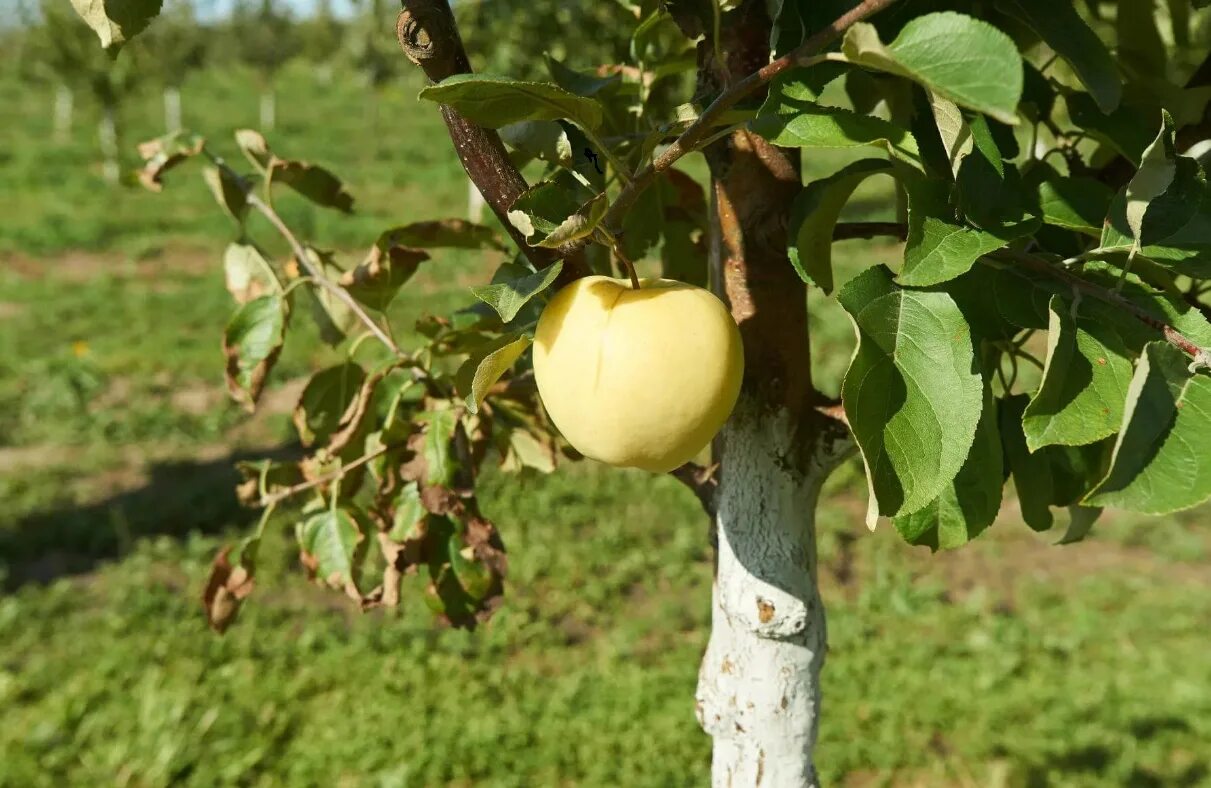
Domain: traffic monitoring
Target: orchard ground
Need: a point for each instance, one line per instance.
(1009, 662)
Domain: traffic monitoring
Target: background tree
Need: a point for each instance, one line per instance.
(321, 37)
(1050, 212)
(265, 38)
(61, 48)
(174, 45)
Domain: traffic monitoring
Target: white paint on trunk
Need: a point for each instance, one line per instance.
(64, 101)
(172, 109)
(108, 135)
(268, 110)
(758, 688)
(475, 203)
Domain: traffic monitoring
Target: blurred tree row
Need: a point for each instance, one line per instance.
(51, 48)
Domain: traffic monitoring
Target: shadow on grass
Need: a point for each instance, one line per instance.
(1098, 761)
(179, 498)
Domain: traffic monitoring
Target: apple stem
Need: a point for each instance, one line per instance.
(628, 265)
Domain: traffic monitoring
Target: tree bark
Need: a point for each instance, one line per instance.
(758, 690)
(759, 685)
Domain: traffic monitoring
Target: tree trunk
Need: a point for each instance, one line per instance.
(268, 110)
(108, 136)
(758, 690)
(172, 109)
(64, 101)
(759, 685)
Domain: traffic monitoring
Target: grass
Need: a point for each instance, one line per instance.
(1011, 662)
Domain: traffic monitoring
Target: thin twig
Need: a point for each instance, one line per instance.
(1171, 334)
(300, 253)
(282, 495)
(700, 129)
(627, 265)
(340, 293)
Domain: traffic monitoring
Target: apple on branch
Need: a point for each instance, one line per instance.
(643, 377)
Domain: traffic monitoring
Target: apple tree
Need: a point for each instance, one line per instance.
(1045, 321)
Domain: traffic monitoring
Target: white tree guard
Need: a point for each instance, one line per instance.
(172, 109)
(64, 100)
(758, 688)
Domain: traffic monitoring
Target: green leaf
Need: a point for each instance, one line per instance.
(1032, 477)
(1160, 462)
(545, 140)
(1085, 379)
(332, 542)
(316, 183)
(164, 153)
(377, 279)
(957, 57)
(814, 216)
(579, 83)
(1066, 33)
(913, 394)
(408, 512)
(311, 181)
(952, 129)
(971, 502)
(1176, 227)
(804, 124)
(485, 366)
(441, 234)
(1075, 203)
(227, 191)
(117, 21)
(332, 316)
(1125, 129)
(1140, 47)
(508, 296)
(940, 247)
(247, 272)
(1152, 179)
(252, 341)
(441, 463)
(494, 101)
(1080, 521)
(557, 211)
(996, 202)
(324, 400)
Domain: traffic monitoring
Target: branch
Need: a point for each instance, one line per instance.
(1174, 337)
(278, 497)
(700, 129)
(429, 37)
(338, 292)
(1171, 334)
(300, 253)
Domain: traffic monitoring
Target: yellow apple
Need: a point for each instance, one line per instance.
(638, 378)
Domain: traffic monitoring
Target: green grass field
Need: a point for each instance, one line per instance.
(1012, 662)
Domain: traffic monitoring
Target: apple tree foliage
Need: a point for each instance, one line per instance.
(1045, 321)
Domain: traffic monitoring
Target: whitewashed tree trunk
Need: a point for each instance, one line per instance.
(268, 110)
(108, 136)
(64, 101)
(172, 109)
(759, 684)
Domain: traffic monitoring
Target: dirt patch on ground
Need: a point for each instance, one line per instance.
(81, 266)
(998, 561)
(10, 309)
(128, 470)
